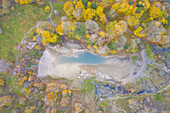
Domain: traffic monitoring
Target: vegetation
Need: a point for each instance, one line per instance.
(80, 32)
(20, 19)
(112, 45)
(87, 85)
(159, 96)
(85, 3)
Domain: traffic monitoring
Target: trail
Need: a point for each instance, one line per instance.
(23, 39)
(18, 48)
(49, 17)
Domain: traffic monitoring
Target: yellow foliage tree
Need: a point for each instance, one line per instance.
(155, 12)
(103, 18)
(1, 82)
(25, 1)
(99, 11)
(124, 8)
(79, 5)
(137, 32)
(88, 14)
(132, 21)
(164, 21)
(59, 30)
(68, 7)
(47, 9)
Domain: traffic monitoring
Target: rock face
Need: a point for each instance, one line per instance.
(56, 13)
(30, 45)
(48, 65)
(1, 31)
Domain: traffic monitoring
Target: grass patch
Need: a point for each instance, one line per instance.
(159, 97)
(15, 26)
(59, 8)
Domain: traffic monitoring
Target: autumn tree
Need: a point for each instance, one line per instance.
(88, 14)
(155, 12)
(137, 32)
(132, 21)
(80, 31)
(115, 29)
(68, 7)
(79, 5)
(103, 18)
(99, 11)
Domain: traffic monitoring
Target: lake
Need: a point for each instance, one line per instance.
(83, 58)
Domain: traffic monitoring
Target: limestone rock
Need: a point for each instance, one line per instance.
(1, 31)
(65, 102)
(56, 13)
(64, 19)
(22, 100)
(15, 111)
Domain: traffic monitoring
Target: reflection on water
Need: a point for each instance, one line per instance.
(83, 58)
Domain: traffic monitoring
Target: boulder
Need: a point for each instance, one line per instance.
(56, 13)
(15, 111)
(64, 19)
(1, 31)
(22, 100)
(66, 27)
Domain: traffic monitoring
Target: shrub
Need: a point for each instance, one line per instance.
(126, 46)
(47, 9)
(168, 19)
(94, 5)
(113, 45)
(80, 31)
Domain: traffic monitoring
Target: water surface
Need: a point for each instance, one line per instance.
(83, 58)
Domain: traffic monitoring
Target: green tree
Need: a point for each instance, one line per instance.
(139, 10)
(159, 96)
(113, 45)
(84, 2)
(94, 5)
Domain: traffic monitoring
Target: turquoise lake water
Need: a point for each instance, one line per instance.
(83, 58)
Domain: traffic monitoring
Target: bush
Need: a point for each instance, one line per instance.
(94, 5)
(126, 46)
(88, 85)
(112, 45)
(159, 96)
(139, 9)
(57, 42)
(80, 31)
(84, 2)
(130, 2)
(168, 19)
